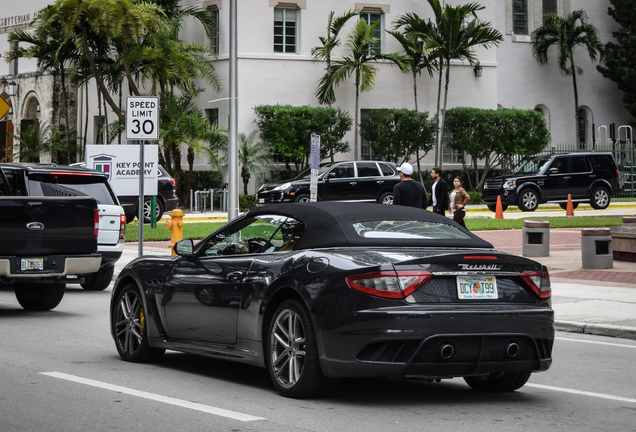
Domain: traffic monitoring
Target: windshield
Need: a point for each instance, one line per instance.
(532, 166)
(306, 175)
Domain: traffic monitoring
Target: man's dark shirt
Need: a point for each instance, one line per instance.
(410, 193)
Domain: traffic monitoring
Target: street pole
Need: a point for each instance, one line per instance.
(233, 190)
(140, 210)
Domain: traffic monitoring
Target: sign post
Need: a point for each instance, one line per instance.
(314, 163)
(142, 123)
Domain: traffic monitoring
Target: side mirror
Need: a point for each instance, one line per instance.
(184, 248)
(553, 171)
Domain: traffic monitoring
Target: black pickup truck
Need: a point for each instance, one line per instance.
(45, 243)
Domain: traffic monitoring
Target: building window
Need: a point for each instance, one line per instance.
(549, 7)
(520, 17)
(285, 30)
(212, 115)
(214, 37)
(371, 18)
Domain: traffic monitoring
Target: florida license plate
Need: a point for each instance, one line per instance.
(29, 264)
(477, 287)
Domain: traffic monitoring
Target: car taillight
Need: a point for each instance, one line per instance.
(173, 182)
(96, 223)
(122, 227)
(539, 282)
(389, 284)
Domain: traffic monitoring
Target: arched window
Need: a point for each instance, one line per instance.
(584, 125)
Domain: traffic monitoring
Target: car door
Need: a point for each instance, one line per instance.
(339, 183)
(553, 183)
(204, 294)
(369, 181)
(579, 176)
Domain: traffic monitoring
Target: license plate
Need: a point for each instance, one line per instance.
(27, 264)
(477, 287)
(261, 200)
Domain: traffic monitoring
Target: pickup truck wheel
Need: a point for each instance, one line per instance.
(129, 329)
(528, 201)
(100, 280)
(39, 297)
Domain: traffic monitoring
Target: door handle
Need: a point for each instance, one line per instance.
(353, 183)
(380, 181)
(237, 276)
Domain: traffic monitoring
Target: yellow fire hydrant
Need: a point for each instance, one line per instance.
(175, 225)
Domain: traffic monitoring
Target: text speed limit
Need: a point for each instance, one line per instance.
(142, 118)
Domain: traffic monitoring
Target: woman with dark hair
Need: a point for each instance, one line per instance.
(458, 200)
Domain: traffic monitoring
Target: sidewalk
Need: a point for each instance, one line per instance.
(601, 302)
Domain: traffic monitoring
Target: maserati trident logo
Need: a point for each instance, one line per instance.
(480, 267)
(35, 226)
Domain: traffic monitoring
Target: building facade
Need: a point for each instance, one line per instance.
(275, 66)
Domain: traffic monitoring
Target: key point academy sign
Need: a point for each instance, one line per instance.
(120, 163)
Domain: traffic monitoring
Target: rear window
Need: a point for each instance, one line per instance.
(71, 185)
(408, 229)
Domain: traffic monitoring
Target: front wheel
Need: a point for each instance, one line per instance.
(600, 198)
(292, 353)
(39, 297)
(129, 329)
(386, 198)
(528, 201)
(501, 382)
(302, 198)
(99, 281)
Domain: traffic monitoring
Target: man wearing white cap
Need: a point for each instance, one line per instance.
(409, 192)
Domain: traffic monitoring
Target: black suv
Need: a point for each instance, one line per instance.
(167, 199)
(339, 181)
(587, 177)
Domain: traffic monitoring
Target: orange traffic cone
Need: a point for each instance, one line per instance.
(570, 208)
(499, 209)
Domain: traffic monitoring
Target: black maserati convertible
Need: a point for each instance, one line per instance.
(318, 292)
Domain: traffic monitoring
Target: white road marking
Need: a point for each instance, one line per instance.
(596, 342)
(155, 397)
(582, 393)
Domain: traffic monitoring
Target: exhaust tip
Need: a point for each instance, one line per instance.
(446, 351)
(512, 349)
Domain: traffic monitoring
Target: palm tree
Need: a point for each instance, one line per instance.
(566, 33)
(458, 31)
(325, 92)
(252, 157)
(358, 61)
(419, 57)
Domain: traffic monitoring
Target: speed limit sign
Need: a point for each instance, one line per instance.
(142, 118)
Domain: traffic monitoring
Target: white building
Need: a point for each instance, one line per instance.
(271, 72)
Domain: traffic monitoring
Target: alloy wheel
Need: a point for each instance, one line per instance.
(288, 348)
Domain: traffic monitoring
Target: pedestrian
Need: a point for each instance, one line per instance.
(458, 200)
(439, 192)
(409, 192)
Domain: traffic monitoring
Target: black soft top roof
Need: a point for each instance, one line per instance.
(330, 224)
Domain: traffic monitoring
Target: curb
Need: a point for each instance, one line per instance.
(623, 332)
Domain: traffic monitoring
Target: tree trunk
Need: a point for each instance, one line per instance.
(577, 123)
(438, 144)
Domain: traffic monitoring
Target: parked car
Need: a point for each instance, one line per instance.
(317, 292)
(167, 199)
(340, 181)
(586, 177)
(51, 180)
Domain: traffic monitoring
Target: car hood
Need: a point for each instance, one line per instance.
(273, 185)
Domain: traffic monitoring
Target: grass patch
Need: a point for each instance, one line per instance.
(555, 222)
(199, 230)
(194, 230)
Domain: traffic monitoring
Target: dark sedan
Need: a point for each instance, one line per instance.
(340, 181)
(317, 292)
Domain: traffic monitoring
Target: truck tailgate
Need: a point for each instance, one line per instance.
(47, 225)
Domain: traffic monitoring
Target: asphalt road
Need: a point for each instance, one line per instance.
(59, 371)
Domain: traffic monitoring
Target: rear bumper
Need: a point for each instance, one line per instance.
(54, 266)
(395, 342)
